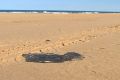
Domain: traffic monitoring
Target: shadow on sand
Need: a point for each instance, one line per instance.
(51, 57)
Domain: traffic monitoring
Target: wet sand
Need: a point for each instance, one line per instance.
(96, 36)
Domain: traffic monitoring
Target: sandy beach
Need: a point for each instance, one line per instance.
(96, 36)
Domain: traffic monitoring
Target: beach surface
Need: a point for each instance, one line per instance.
(95, 36)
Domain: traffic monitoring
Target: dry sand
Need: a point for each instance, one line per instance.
(96, 36)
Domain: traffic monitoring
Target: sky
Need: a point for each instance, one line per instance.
(88, 5)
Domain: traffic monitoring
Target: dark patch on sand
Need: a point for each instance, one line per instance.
(51, 57)
(47, 40)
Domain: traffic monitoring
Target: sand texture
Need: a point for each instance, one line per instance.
(96, 36)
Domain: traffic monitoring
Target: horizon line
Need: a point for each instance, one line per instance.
(58, 10)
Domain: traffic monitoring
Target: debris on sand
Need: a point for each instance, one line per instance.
(51, 57)
(47, 40)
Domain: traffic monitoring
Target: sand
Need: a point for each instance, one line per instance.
(96, 36)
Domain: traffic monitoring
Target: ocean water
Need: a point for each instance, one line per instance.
(55, 11)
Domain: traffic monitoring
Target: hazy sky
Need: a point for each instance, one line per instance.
(100, 5)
